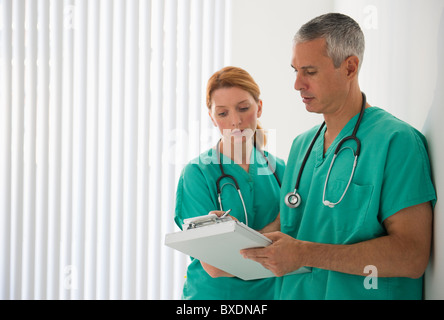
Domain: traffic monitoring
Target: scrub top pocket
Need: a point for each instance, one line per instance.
(351, 212)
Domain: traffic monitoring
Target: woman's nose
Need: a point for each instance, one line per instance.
(236, 120)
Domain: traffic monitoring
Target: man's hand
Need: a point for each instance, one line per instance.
(281, 257)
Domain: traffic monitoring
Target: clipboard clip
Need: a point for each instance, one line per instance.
(202, 221)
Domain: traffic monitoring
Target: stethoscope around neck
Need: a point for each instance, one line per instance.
(233, 179)
(293, 199)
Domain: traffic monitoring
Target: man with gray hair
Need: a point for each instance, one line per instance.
(357, 195)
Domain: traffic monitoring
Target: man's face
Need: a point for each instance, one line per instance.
(323, 87)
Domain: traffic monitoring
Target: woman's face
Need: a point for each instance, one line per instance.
(234, 111)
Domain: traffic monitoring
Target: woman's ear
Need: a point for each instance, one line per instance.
(259, 108)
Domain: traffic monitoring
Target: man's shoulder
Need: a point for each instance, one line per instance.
(382, 123)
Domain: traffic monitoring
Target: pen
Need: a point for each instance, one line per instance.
(226, 212)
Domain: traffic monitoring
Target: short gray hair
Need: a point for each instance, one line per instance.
(342, 34)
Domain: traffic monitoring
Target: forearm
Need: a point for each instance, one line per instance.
(214, 272)
(273, 226)
(390, 256)
(403, 252)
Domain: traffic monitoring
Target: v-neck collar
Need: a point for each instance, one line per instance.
(251, 169)
(319, 144)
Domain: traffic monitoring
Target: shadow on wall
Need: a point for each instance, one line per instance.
(434, 131)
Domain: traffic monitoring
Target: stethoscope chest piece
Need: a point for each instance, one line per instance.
(293, 199)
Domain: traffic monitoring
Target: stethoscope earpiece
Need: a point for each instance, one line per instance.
(328, 204)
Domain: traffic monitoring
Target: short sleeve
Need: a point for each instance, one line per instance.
(407, 175)
(193, 197)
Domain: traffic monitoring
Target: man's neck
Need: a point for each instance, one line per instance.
(336, 121)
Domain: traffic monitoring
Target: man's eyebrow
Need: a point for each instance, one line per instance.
(304, 67)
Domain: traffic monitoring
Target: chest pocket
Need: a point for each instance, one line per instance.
(351, 212)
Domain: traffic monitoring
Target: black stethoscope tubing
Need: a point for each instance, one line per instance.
(293, 199)
(224, 175)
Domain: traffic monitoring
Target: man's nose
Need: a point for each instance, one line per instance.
(299, 83)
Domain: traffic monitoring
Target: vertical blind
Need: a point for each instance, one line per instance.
(101, 105)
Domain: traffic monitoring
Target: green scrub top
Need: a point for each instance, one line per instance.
(197, 195)
(392, 173)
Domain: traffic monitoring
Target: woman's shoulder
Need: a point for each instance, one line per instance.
(201, 163)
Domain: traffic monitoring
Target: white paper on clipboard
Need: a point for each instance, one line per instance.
(219, 245)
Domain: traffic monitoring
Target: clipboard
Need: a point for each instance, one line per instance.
(219, 244)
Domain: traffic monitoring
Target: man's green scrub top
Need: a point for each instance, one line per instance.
(392, 173)
(197, 195)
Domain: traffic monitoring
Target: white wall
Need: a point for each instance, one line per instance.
(402, 73)
(434, 131)
(262, 34)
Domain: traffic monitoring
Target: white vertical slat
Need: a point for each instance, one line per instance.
(7, 282)
(168, 130)
(29, 164)
(54, 177)
(68, 274)
(183, 88)
(155, 160)
(208, 68)
(79, 141)
(91, 151)
(117, 148)
(182, 138)
(17, 154)
(143, 169)
(219, 35)
(41, 209)
(228, 31)
(104, 149)
(197, 100)
(130, 150)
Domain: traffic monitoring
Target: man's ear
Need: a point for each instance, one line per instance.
(352, 65)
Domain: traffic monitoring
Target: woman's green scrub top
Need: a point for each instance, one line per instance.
(197, 195)
(392, 173)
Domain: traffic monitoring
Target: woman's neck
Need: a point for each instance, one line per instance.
(240, 153)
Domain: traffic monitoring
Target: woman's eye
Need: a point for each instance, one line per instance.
(244, 109)
(222, 114)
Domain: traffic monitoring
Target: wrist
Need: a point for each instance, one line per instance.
(304, 253)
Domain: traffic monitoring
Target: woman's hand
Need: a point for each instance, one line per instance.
(221, 213)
